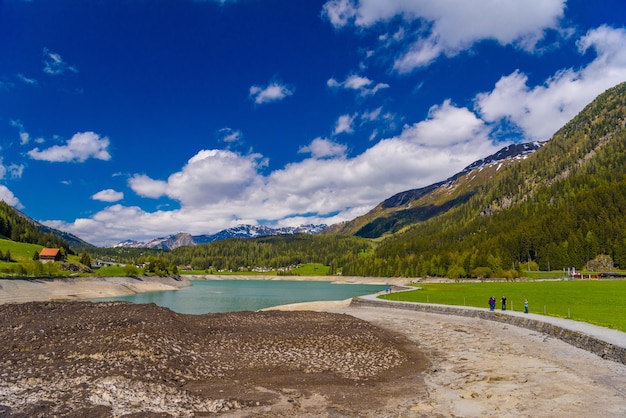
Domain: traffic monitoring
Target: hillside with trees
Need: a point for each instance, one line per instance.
(561, 207)
(271, 252)
(19, 228)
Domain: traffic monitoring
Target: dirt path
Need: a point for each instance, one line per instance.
(483, 368)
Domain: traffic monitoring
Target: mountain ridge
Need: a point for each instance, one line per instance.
(558, 207)
(181, 239)
(401, 209)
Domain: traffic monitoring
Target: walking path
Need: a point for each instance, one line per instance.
(605, 342)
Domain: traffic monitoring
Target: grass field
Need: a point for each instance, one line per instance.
(19, 250)
(600, 302)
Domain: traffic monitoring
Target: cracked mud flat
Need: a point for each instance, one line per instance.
(119, 359)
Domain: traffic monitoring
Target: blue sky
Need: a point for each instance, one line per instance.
(138, 119)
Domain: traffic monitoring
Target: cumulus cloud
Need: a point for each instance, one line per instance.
(324, 148)
(362, 85)
(541, 110)
(209, 177)
(273, 92)
(79, 148)
(146, 187)
(448, 27)
(218, 189)
(108, 195)
(53, 64)
(9, 198)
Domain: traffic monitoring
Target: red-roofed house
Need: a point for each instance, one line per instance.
(49, 255)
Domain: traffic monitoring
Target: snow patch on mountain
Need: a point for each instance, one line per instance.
(240, 231)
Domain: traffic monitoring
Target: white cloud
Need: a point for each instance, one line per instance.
(273, 92)
(108, 195)
(229, 135)
(24, 136)
(340, 12)
(79, 148)
(15, 170)
(541, 110)
(344, 124)
(53, 64)
(447, 125)
(9, 198)
(324, 148)
(146, 187)
(217, 189)
(27, 80)
(372, 115)
(448, 27)
(209, 177)
(357, 83)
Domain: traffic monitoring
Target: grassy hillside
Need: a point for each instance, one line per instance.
(18, 227)
(20, 251)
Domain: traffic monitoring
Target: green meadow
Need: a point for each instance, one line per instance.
(599, 302)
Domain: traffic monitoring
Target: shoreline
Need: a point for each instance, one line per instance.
(86, 288)
(83, 288)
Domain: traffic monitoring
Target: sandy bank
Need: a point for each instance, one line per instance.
(36, 290)
(318, 306)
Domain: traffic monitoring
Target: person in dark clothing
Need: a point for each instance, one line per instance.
(504, 303)
(492, 303)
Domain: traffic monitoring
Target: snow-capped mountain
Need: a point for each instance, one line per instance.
(514, 151)
(241, 231)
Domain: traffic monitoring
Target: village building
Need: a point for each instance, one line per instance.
(48, 255)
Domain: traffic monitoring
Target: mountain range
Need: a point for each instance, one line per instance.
(397, 209)
(182, 239)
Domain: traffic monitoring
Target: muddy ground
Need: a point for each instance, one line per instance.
(82, 359)
(120, 359)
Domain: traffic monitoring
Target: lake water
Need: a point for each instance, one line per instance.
(212, 296)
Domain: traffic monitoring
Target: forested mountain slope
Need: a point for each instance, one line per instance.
(560, 207)
(418, 205)
(16, 226)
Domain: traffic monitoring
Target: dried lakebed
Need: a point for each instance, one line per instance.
(117, 358)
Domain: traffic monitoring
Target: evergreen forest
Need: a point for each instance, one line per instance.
(561, 207)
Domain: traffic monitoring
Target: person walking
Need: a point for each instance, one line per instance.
(504, 303)
(492, 303)
(525, 305)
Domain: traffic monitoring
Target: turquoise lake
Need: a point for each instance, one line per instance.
(213, 296)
